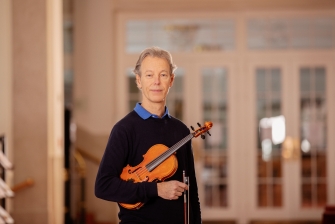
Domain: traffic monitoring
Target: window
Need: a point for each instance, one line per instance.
(133, 91)
(299, 33)
(269, 166)
(215, 108)
(175, 99)
(181, 35)
(313, 134)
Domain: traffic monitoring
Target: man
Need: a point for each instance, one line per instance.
(147, 125)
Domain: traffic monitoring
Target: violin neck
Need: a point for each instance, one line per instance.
(154, 163)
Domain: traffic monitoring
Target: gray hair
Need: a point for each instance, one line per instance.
(154, 52)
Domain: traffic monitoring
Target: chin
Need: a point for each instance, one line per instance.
(160, 100)
(157, 98)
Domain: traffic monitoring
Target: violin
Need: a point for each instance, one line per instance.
(159, 163)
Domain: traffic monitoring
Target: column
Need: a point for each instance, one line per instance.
(38, 110)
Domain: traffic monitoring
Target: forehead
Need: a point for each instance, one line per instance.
(155, 64)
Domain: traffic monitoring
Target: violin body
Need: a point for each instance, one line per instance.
(140, 173)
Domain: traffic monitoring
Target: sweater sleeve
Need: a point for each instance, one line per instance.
(108, 185)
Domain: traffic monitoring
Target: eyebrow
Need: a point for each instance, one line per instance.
(159, 72)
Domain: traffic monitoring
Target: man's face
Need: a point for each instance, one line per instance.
(155, 80)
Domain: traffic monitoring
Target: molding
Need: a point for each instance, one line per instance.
(198, 5)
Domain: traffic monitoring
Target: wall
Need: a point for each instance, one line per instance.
(93, 86)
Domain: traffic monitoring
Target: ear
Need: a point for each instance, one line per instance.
(138, 81)
(172, 80)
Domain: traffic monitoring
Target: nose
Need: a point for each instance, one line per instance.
(157, 79)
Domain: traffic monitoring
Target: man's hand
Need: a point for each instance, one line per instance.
(171, 190)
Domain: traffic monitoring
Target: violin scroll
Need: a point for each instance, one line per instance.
(202, 129)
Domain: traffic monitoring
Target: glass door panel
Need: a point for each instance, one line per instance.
(134, 93)
(175, 100)
(270, 136)
(215, 108)
(313, 136)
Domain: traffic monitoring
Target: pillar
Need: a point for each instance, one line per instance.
(38, 110)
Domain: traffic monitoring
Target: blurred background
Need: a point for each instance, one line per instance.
(263, 71)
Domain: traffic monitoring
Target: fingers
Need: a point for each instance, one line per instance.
(171, 190)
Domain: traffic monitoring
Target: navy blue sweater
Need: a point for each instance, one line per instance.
(129, 140)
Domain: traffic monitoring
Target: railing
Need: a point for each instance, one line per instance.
(5, 190)
(80, 167)
(88, 156)
(23, 185)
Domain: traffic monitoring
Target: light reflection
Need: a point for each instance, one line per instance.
(266, 149)
(73, 131)
(291, 148)
(277, 125)
(305, 146)
(278, 129)
(272, 131)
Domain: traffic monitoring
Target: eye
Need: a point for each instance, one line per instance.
(164, 75)
(148, 75)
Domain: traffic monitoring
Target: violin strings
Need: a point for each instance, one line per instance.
(154, 163)
(168, 152)
(160, 158)
(163, 156)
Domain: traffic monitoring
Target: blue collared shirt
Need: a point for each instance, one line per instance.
(144, 114)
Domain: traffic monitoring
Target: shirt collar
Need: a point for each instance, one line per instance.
(144, 114)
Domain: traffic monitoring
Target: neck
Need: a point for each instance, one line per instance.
(157, 109)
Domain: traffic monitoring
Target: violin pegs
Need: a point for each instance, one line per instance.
(209, 133)
(203, 136)
(192, 128)
(199, 124)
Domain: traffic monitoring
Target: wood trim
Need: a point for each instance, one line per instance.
(24, 184)
(198, 5)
